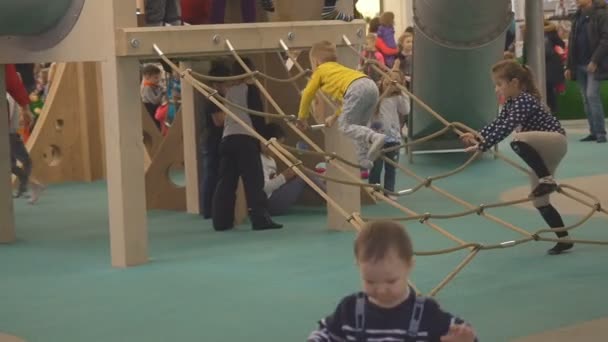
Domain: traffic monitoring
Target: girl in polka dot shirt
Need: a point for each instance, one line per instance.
(539, 139)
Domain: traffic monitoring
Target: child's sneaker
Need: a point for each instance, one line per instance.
(35, 191)
(546, 186)
(376, 146)
(560, 247)
(20, 191)
(366, 164)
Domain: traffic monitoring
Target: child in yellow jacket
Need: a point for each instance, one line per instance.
(357, 93)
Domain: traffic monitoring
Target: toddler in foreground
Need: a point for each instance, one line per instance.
(388, 308)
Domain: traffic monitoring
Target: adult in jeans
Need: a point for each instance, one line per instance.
(240, 157)
(588, 63)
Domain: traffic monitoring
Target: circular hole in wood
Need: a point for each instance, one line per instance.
(52, 155)
(176, 175)
(59, 124)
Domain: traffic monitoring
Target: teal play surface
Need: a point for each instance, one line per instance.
(56, 282)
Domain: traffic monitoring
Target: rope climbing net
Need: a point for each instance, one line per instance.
(288, 155)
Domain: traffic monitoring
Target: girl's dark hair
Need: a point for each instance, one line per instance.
(237, 68)
(374, 24)
(219, 69)
(150, 70)
(510, 69)
(387, 19)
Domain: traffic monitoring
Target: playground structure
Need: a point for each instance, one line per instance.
(123, 47)
(119, 46)
(67, 142)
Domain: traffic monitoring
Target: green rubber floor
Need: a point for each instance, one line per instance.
(56, 282)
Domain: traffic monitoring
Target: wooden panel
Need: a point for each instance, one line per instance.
(190, 145)
(100, 121)
(152, 136)
(66, 144)
(7, 218)
(56, 144)
(161, 192)
(252, 37)
(89, 92)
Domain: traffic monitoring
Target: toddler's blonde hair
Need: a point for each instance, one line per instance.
(324, 51)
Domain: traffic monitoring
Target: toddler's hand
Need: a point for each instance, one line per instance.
(459, 333)
(302, 124)
(330, 120)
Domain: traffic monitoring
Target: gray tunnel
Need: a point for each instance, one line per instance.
(39, 23)
(456, 43)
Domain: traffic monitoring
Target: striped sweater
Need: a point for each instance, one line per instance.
(380, 324)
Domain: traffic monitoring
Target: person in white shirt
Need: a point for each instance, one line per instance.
(285, 188)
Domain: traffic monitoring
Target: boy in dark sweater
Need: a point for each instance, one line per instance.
(388, 308)
(240, 158)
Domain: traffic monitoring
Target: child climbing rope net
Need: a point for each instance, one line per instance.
(287, 154)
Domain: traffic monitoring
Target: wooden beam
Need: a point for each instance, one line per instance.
(191, 145)
(349, 197)
(124, 150)
(7, 217)
(125, 163)
(251, 37)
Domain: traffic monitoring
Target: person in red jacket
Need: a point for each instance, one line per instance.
(15, 87)
(18, 93)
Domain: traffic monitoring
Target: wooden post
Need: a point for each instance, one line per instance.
(7, 217)
(85, 133)
(349, 197)
(89, 96)
(124, 151)
(191, 145)
(100, 121)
